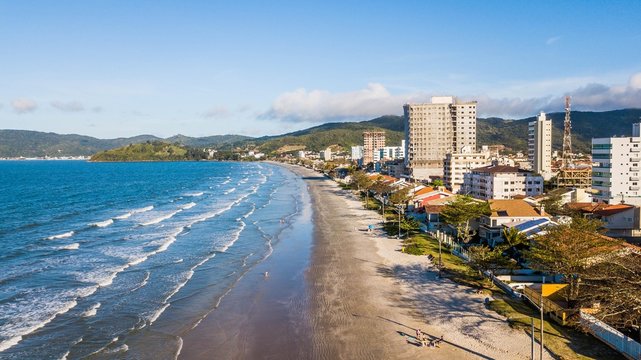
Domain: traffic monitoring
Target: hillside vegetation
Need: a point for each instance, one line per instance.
(511, 133)
(150, 151)
(16, 143)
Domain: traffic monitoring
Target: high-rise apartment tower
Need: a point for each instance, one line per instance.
(372, 141)
(435, 129)
(540, 145)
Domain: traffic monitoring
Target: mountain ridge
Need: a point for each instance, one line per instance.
(492, 130)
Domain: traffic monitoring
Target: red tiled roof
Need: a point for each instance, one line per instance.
(613, 209)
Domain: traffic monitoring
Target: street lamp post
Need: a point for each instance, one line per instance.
(399, 222)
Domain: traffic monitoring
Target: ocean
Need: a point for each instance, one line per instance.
(117, 260)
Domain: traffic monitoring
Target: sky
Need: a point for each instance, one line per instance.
(123, 68)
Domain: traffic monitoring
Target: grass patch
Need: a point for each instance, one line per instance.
(564, 342)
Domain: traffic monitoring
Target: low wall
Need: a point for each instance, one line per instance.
(611, 336)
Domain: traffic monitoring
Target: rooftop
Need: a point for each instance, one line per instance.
(493, 169)
(512, 208)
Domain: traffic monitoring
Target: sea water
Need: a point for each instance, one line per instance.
(103, 260)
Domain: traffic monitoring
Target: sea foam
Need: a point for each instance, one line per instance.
(61, 236)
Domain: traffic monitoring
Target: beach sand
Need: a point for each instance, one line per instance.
(367, 296)
(349, 294)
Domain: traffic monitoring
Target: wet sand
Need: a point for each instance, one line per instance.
(353, 296)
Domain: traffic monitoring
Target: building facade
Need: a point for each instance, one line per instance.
(326, 154)
(372, 141)
(456, 165)
(501, 182)
(435, 129)
(390, 152)
(357, 153)
(616, 168)
(540, 146)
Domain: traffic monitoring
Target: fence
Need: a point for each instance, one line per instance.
(448, 240)
(609, 335)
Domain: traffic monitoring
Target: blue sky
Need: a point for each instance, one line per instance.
(122, 68)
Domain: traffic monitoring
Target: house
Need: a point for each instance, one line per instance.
(619, 220)
(531, 228)
(501, 182)
(506, 212)
(567, 195)
(425, 194)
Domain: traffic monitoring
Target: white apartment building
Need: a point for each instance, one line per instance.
(300, 154)
(372, 140)
(501, 182)
(435, 129)
(616, 168)
(458, 164)
(357, 152)
(326, 154)
(390, 152)
(540, 146)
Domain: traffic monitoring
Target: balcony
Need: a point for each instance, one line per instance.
(634, 187)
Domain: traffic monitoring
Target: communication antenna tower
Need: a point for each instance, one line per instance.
(567, 136)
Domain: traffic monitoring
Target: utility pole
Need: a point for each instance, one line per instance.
(532, 338)
(541, 308)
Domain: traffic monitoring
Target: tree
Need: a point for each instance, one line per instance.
(615, 285)
(568, 251)
(361, 180)
(400, 196)
(460, 212)
(437, 183)
(552, 204)
(484, 258)
(513, 237)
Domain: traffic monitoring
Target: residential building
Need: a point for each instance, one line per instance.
(372, 141)
(301, 154)
(435, 129)
(326, 154)
(616, 168)
(540, 146)
(505, 212)
(458, 164)
(357, 153)
(619, 220)
(390, 152)
(501, 182)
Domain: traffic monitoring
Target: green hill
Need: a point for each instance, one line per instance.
(150, 151)
(511, 133)
(16, 143)
(345, 135)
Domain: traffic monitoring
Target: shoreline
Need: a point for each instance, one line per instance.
(346, 293)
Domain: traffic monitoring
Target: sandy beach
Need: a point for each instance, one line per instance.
(366, 294)
(349, 294)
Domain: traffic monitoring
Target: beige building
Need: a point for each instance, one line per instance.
(540, 146)
(372, 141)
(456, 165)
(435, 129)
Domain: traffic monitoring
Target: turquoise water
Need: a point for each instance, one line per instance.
(95, 257)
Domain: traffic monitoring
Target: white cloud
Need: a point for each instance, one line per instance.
(319, 105)
(217, 112)
(552, 40)
(72, 106)
(316, 106)
(23, 106)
